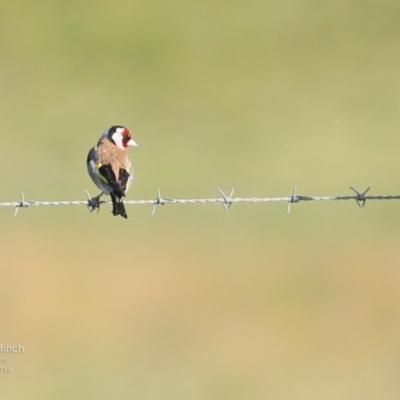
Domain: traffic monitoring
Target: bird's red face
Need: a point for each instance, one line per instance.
(120, 136)
(127, 139)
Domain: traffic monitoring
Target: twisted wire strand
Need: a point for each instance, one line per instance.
(226, 200)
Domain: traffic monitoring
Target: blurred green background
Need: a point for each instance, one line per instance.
(196, 303)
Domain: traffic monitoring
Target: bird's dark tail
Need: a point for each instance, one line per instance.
(118, 206)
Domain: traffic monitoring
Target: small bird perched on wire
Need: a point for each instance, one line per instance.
(110, 168)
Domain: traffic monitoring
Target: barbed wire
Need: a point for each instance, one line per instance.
(226, 200)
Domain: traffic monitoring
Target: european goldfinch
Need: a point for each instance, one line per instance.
(110, 168)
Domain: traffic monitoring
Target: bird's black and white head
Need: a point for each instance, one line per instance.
(120, 136)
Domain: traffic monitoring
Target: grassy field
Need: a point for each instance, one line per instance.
(196, 303)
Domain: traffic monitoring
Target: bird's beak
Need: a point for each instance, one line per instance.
(132, 143)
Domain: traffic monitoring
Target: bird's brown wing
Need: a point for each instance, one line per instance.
(123, 178)
(107, 172)
(112, 166)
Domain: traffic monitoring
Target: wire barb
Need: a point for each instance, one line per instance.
(360, 197)
(21, 204)
(293, 199)
(227, 200)
(160, 201)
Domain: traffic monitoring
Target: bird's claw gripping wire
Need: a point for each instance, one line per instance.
(94, 203)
